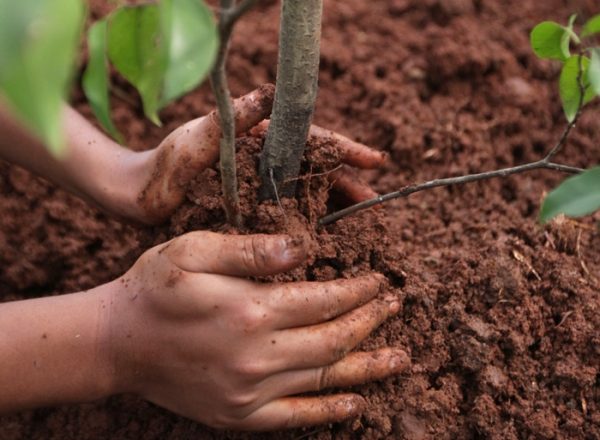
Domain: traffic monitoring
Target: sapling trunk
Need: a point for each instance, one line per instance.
(295, 95)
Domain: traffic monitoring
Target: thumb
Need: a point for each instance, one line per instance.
(192, 148)
(249, 110)
(236, 255)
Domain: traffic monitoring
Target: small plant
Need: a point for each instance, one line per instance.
(579, 83)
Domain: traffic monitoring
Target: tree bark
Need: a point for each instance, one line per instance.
(295, 95)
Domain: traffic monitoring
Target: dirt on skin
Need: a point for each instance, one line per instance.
(500, 315)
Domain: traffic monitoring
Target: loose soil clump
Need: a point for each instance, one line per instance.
(500, 315)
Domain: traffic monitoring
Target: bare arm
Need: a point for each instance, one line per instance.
(52, 352)
(94, 167)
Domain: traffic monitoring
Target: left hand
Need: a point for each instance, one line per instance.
(194, 146)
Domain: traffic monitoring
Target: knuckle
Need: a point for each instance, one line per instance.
(333, 303)
(336, 349)
(250, 369)
(236, 401)
(252, 319)
(325, 378)
(196, 236)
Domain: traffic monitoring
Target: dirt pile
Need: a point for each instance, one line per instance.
(499, 314)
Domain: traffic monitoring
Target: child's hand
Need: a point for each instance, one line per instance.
(195, 146)
(188, 332)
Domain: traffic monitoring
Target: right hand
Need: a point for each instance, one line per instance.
(190, 333)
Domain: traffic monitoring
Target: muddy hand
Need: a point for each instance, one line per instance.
(190, 149)
(191, 335)
(354, 155)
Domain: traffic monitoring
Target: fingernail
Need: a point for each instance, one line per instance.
(399, 361)
(394, 307)
(355, 404)
(379, 277)
(293, 248)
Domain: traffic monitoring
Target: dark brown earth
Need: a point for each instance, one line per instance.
(500, 315)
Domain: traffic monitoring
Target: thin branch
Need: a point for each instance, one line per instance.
(242, 8)
(228, 15)
(276, 192)
(563, 139)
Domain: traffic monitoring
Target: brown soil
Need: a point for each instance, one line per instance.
(500, 315)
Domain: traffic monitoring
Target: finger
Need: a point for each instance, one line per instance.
(349, 184)
(198, 141)
(327, 343)
(235, 255)
(296, 412)
(353, 153)
(306, 303)
(354, 369)
(249, 110)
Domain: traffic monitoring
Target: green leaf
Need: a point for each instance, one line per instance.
(14, 22)
(576, 196)
(38, 45)
(192, 42)
(594, 71)
(569, 87)
(96, 78)
(591, 27)
(137, 50)
(550, 40)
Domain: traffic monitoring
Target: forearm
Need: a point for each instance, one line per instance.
(93, 166)
(54, 351)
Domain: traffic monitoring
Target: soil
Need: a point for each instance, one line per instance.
(500, 315)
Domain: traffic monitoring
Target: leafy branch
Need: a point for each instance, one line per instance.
(579, 83)
(228, 15)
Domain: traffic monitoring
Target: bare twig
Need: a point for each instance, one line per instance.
(276, 192)
(244, 6)
(545, 163)
(228, 15)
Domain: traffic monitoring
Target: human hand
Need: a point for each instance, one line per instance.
(191, 335)
(195, 146)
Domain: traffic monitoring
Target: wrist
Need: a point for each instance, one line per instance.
(119, 181)
(101, 171)
(121, 341)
